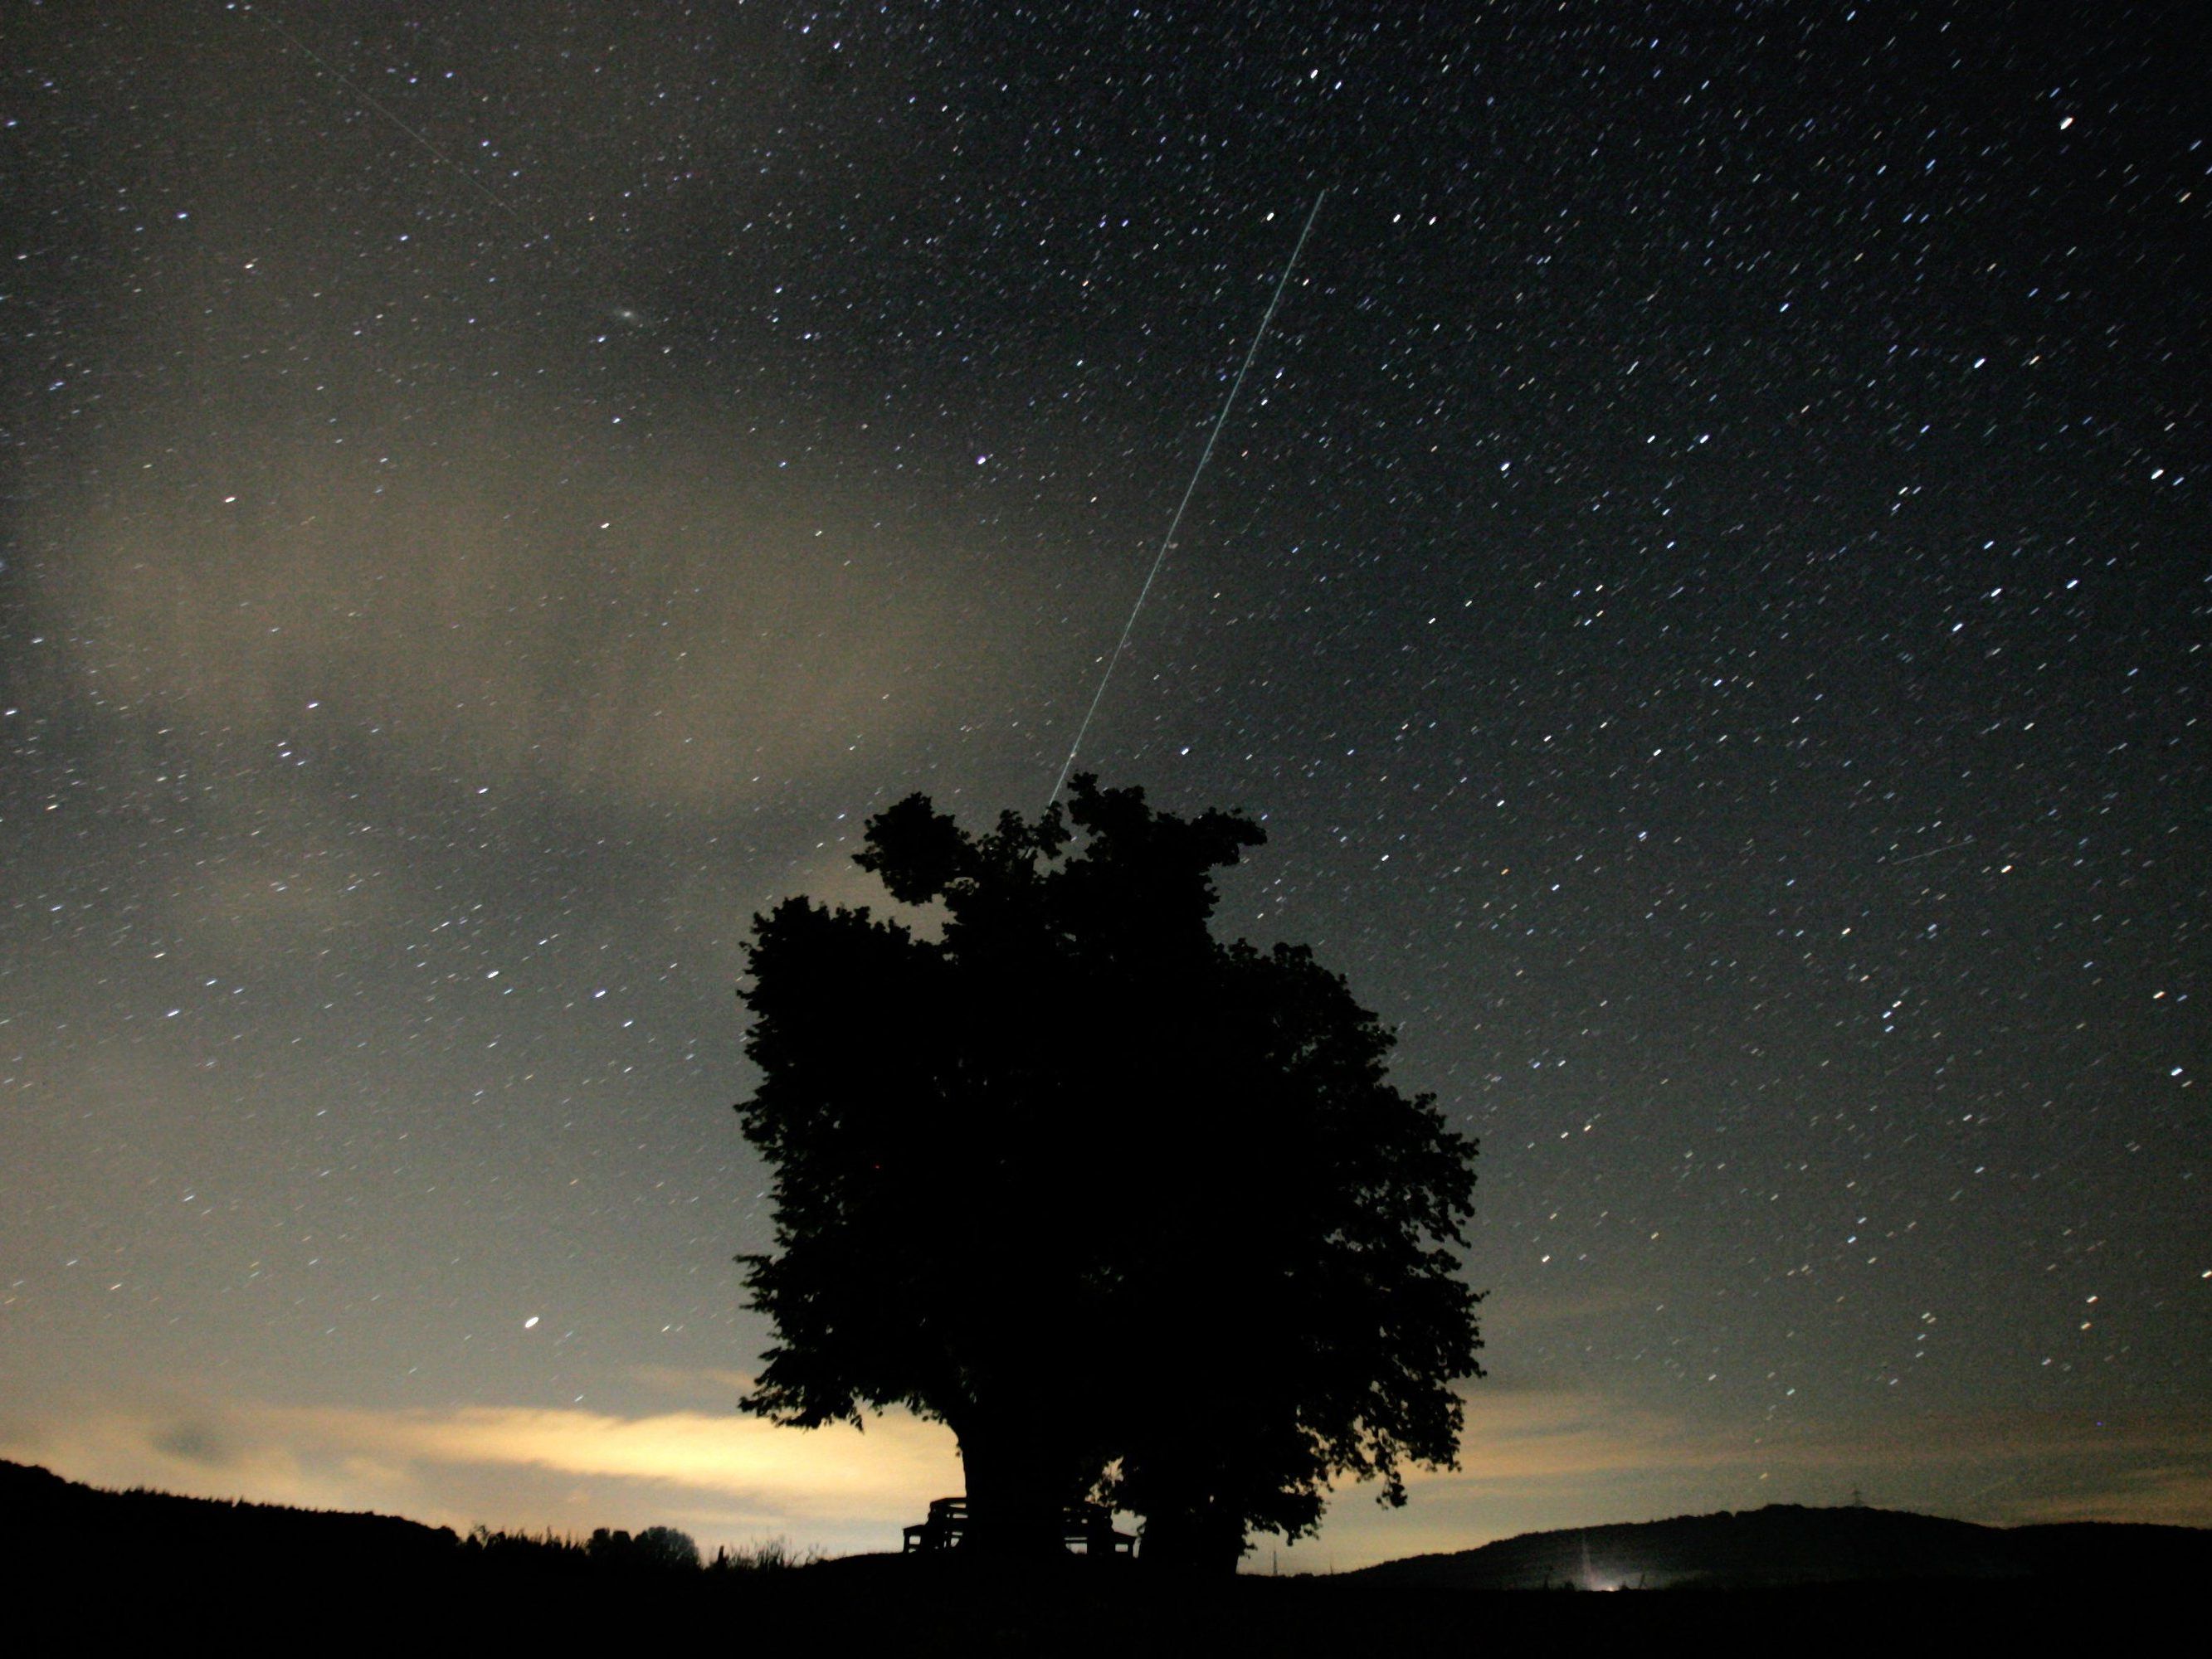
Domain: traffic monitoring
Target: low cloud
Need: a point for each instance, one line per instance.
(1532, 1460)
(728, 1477)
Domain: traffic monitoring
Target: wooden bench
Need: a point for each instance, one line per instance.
(1087, 1525)
(946, 1526)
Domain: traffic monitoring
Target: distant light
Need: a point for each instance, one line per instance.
(529, 1322)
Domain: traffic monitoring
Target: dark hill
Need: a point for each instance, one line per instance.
(60, 1522)
(1786, 1545)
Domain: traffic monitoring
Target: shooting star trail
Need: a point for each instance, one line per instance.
(1189, 490)
(370, 100)
(1948, 847)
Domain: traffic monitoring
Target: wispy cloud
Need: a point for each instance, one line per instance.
(668, 633)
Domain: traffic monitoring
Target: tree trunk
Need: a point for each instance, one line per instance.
(1195, 1542)
(1018, 1491)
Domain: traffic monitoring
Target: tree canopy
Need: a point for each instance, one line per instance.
(1136, 1213)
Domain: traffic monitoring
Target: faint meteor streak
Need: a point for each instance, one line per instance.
(1948, 847)
(369, 99)
(1189, 490)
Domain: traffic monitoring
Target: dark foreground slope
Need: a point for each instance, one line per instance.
(106, 1569)
(1785, 1545)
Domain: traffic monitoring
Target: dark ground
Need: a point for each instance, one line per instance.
(105, 1570)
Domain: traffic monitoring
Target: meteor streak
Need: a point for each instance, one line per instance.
(1947, 847)
(370, 100)
(1189, 490)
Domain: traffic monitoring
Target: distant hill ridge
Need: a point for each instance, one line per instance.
(1786, 1544)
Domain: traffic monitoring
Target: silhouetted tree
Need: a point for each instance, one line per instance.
(655, 1548)
(667, 1546)
(1135, 1213)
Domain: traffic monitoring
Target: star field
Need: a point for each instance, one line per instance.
(1705, 586)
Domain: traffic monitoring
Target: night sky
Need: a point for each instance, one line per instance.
(1705, 586)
